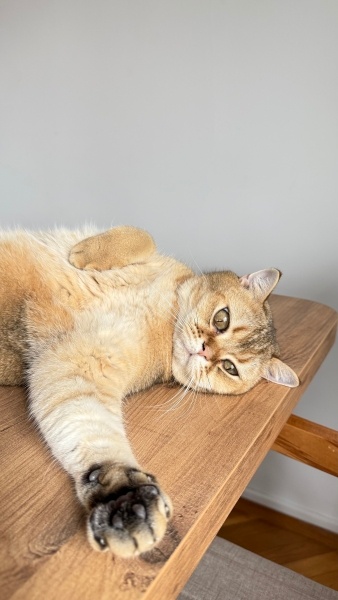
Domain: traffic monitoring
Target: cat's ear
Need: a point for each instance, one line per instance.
(278, 372)
(261, 283)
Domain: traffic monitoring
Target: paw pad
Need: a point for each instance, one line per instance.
(129, 522)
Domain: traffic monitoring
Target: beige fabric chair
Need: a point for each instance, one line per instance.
(228, 572)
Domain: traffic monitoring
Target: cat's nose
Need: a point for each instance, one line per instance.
(206, 352)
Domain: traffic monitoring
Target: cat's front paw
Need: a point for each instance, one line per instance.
(128, 512)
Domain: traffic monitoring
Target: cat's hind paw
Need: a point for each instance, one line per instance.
(129, 520)
(115, 248)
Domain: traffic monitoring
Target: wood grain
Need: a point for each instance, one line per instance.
(204, 453)
(310, 443)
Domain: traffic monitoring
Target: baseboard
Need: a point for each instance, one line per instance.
(292, 509)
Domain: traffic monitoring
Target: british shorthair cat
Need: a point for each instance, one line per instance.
(87, 318)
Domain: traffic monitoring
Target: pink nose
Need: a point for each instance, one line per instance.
(206, 352)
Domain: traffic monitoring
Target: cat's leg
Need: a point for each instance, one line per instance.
(74, 399)
(114, 248)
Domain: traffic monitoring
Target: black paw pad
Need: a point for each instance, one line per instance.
(124, 515)
(92, 475)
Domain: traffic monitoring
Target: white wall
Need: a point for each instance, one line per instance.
(211, 123)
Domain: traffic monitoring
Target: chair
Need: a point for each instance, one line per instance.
(228, 572)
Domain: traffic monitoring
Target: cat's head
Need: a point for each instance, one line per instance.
(224, 338)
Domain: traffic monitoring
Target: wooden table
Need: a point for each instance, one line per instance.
(204, 453)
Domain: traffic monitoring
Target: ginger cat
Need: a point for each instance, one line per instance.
(86, 319)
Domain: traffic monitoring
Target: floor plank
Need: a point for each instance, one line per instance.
(302, 547)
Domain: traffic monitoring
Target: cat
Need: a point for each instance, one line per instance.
(87, 318)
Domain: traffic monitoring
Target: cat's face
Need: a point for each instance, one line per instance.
(224, 339)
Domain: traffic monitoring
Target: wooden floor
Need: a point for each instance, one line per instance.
(302, 547)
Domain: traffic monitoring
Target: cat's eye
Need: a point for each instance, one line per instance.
(230, 368)
(221, 320)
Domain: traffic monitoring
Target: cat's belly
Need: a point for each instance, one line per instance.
(130, 337)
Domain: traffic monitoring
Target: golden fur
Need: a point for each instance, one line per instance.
(86, 319)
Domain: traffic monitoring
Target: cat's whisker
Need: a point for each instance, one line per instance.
(164, 412)
(198, 267)
(191, 401)
(181, 328)
(174, 401)
(195, 395)
(178, 402)
(181, 321)
(210, 386)
(187, 406)
(177, 319)
(179, 391)
(180, 397)
(184, 404)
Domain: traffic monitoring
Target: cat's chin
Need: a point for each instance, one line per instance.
(181, 363)
(179, 372)
(185, 373)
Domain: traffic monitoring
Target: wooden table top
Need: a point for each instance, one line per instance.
(204, 452)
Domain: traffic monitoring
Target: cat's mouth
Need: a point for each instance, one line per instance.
(188, 355)
(188, 366)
